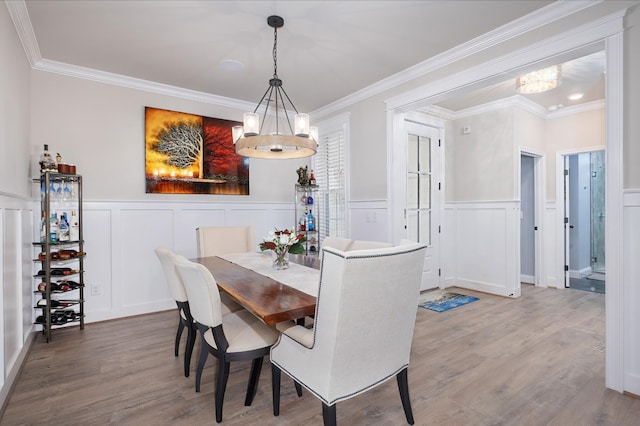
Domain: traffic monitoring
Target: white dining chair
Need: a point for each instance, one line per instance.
(364, 321)
(236, 336)
(179, 294)
(218, 240)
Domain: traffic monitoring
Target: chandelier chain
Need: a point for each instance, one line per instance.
(275, 52)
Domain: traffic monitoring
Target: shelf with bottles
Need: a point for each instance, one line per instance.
(59, 287)
(59, 253)
(306, 212)
(59, 317)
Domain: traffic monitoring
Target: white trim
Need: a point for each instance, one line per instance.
(631, 197)
(517, 101)
(21, 20)
(614, 219)
(576, 37)
(576, 109)
(140, 84)
(540, 195)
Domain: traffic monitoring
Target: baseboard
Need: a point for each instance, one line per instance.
(9, 383)
(529, 279)
(581, 273)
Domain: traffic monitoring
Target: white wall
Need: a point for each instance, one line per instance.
(15, 205)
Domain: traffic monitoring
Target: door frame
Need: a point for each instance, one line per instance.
(397, 165)
(540, 195)
(562, 236)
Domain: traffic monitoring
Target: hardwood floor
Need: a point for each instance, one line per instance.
(537, 360)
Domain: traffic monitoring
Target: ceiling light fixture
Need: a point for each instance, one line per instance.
(252, 139)
(539, 81)
(575, 96)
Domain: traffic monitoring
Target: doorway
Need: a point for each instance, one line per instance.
(527, 220)
(585, 229)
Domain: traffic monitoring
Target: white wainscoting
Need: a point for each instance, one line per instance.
(16, 297)
(553, 247)
(368, 220)
(631, 292)
(123, 276)
(484, 238)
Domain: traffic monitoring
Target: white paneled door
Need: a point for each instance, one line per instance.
(422, 189)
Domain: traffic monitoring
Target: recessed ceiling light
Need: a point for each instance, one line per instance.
(576, 96)
(231, 65)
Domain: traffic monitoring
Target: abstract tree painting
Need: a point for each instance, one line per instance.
(191, 154)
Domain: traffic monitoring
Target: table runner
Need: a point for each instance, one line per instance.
(297, 276)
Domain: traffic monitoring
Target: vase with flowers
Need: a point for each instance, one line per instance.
(281, 242)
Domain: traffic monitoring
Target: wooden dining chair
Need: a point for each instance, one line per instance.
(365, 315)
(236, 336)
(179, 294)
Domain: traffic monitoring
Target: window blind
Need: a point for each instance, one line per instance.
(330, 178)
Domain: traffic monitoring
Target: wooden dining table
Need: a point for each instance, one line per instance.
(268, 299)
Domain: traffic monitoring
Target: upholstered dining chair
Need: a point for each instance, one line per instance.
(339, 243)
(236, 336)
(364, 321)
(217, 240)
(179, 294)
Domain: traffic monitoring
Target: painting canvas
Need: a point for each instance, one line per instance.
(192, 154)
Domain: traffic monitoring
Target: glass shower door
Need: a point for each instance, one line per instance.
(597, 162)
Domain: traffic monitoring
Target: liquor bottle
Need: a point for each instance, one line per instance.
(43, 227)
(312, 178)
(46, 161)
(63, 228)
(311, 226)
(74, 227)
(53, 228)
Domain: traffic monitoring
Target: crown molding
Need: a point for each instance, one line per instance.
(20, 17)
(553, 12)
(556, 10)
(579, 36)
(139, 84)
(576, 109)
(517, 101)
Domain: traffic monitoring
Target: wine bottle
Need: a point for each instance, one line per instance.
(312, 178)
(74, 227)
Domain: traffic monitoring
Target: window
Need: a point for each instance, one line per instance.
(329, 170)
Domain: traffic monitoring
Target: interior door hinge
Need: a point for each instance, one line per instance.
(439, 141)
(439, 229)
(566, 220)
(439, 186)
(566, 172)
(566, 268)
(439, 272)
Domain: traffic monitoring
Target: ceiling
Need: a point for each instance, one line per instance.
(326, 49)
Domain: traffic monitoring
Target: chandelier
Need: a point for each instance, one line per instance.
(539, 81)
(280, 140)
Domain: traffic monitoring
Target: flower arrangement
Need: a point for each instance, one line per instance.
(283, 242)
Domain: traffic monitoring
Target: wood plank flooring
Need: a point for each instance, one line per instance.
(537, 360)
